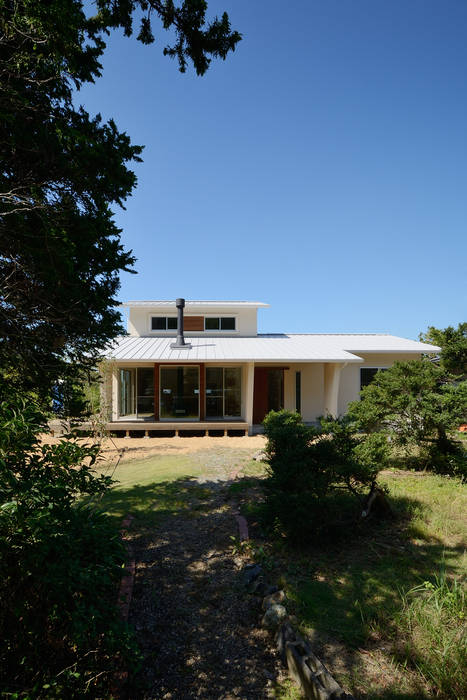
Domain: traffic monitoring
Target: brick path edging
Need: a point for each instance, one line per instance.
(125, 594)
(242, 527)
(126, 584)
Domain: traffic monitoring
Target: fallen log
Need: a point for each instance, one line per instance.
(376, 503)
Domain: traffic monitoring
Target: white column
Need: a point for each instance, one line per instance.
(250, 385)
(115, 394)
(332, 375)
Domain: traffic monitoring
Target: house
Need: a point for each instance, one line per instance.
(202, 365)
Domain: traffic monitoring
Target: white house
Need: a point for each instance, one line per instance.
(202, 365)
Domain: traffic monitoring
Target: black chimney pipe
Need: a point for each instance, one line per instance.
(180, 342)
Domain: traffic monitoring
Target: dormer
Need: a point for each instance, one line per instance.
(201, 318)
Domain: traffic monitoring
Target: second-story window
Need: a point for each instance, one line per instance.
(220, 323)
(163, 323)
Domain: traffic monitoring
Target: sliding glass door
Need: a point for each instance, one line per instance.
(137, 392)
(223, 392)
(179, 396)
(145, 392)
(127, 392)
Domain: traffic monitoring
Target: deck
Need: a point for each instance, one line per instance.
(176, 427)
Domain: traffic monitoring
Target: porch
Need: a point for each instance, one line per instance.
(195, 398)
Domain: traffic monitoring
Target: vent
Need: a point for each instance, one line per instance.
(180, 342)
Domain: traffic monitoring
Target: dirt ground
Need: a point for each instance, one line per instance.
(141, 448)
(198, 629)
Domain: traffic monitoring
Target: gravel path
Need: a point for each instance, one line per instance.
(198, 629)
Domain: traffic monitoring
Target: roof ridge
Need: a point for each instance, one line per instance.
(285, 333)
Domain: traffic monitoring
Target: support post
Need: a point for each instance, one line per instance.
(114, 393)
(250, 385)
(332, 375)
(156, 392)
(202, 391)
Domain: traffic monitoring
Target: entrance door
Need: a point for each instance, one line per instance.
(268, 392)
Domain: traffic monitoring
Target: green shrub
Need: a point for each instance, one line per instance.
(60, 565)
(312, 471)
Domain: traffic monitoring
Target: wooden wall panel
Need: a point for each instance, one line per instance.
(193, 323)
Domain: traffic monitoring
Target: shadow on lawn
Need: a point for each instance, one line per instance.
(150, 502)
(348, 595)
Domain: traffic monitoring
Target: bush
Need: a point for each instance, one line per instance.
(60, 565)
(311, 468)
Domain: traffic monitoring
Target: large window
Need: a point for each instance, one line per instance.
(163, 323)
(220, 323)
(223, 392)
(137, 392)
(179, 388)
(367, 374)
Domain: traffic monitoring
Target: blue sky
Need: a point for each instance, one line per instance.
(322, 166)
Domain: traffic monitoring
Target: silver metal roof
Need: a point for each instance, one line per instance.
(263, 348)
(196, 304)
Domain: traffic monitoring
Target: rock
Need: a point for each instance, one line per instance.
(261, 588)
(251, 573)
(274, 616)
(271, 589)
(259, 456)
(272, 599)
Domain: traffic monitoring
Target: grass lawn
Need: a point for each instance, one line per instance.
(354, 601)
(157, 485)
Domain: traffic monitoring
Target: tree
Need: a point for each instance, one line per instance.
(416, 403)
(453, 344)
(64, 171)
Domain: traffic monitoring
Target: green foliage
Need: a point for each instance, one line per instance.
(308, 467)
(453, 344)
(431, 634)
(60, 564)
(64, 171)
(77, 397)
(416, 403)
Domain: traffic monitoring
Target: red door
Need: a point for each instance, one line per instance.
(268, 394)
(260, 394)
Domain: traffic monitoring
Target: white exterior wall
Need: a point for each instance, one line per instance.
(349, 389)
(312, 389)
(139, 321)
